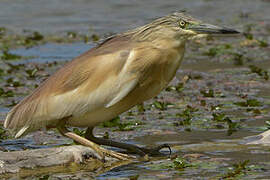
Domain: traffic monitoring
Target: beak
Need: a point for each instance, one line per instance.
(211, 29)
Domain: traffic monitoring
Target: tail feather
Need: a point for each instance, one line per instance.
(18, 120)
(9, 118)
(22, 131)
(13, 125)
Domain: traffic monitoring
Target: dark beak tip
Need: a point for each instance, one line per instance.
(229, 31)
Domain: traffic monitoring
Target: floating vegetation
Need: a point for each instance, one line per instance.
(254, 111)
(112, 123)
(12, 103)
(140, 108)
(95, 37)
(28, 38)
(126, 126)
(1, 72)
(185, 116)
(177, 163)
(4, 93)
(207, 93)
(262, 43)
(160, 105)
(71, 34)
(203, 102)
(216, 107)
(181, 163)
(31, 72)
(247, 31)
(179, 87)
(249, 103)
(79, 132)
(14, 83)
(106, 135)
(267, 123)
(13, 68)
(221, 49)
(3, 134)
(7, 55)
(261, 72)
(35, 36)
(238, 59)
(237, 170)
(219, 117)
(232, 126)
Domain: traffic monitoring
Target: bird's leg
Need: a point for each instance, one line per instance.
(98, 149)
(129, 147)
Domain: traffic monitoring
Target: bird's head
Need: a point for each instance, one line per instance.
(180, 26)
(188, 25)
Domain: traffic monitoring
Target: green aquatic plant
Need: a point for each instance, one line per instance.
(3, 31)
(160, 105)
(267, 123)
(95, 37)
(7, 55)
(218, 117)
(181, 163)
(179, 87)
(78, 131)
(3, 134)
(249, 103)
(31, 72)
(218, 50)
(238, 59)
(259, 71)
(247, 31)
(207, 93)
(262, 43)
(232, 126)
(14, 83)
(112, 123)
(6, 93)
(140, 108)
(71, 34)
(35, 36)
(237, 170)
(221, 117)
(106, 135)
(185, 116)
(2, 72)
(127, 126)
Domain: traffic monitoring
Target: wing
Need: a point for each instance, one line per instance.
(83, 85)
(75, 89)
(124, 91)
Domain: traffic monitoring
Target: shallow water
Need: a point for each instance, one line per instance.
(114, 16)
(216, 150)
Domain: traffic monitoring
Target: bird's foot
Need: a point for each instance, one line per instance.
(101, 152)
(114, 154)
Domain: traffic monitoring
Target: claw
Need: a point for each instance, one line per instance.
(155, 151)
(164, 146)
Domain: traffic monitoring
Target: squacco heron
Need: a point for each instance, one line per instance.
(121, 72)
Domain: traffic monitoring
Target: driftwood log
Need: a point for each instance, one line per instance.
(53, 160)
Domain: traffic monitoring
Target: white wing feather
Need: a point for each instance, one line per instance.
(124, 91)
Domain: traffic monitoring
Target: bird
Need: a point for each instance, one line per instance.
(122, 71)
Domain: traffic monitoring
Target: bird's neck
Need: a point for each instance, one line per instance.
(163, 38)
(169, 43)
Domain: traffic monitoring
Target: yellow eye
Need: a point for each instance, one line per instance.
(182, 24)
